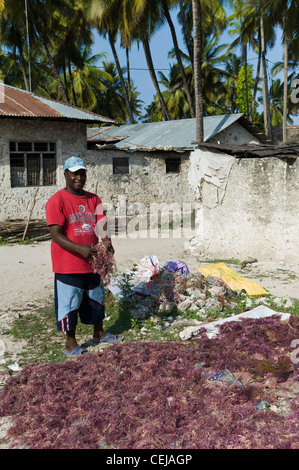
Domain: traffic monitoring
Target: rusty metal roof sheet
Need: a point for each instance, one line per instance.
(262, 150)
(17, 103)
(178, 135)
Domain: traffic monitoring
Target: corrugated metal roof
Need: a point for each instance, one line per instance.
(261, 150)
(17, 103)
(176, 135)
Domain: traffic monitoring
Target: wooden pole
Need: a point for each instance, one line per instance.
(29, 216)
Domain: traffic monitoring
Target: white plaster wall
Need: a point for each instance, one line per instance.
(147, 182)
(70, 140)
(258, 215)
(234, 135)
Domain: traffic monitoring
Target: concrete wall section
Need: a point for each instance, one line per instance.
(147, 181)
(234, 135)
(257, 216)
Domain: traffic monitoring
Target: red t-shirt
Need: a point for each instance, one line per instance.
(78, 215)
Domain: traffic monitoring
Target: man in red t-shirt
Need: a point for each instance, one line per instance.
(76, 220)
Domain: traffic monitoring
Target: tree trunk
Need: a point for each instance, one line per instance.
(197, 33)
(150, 65)
(246, 76)
(64, 76)
(186, 36)
(49, 57)
(256, 78)
(267, 118)
(22, 60)
(72, 81)
(120, 74)
(129, 76)
(178, 57)
(285, 85)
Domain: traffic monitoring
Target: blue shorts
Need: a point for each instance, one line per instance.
(82, 294)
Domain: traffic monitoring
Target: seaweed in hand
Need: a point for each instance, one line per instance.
(103, 263)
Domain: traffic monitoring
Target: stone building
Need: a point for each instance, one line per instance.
(37, 135)
(139, 164)
(243, 190)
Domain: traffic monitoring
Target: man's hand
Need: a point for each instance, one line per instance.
(87, 251)
(58, 237)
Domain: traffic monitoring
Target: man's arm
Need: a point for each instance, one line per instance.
(103, 232)
(58, 237)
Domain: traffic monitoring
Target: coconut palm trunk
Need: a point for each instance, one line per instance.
(256, 78)
(197, 33)
(187, 38)
(120, 74)
(267, 118)
(151, 69)
(285, 85)
(178, 57)
(22, 60)
(43, 41)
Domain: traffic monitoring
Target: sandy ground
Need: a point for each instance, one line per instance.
(27, 278)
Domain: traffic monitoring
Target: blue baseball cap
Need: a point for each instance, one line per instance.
(74, 164)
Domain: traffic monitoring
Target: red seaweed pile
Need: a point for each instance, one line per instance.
(164, 395)
(103, 263)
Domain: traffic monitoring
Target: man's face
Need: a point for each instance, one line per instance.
(75, 181)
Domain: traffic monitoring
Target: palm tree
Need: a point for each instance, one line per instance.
(198, 91)
(174, 96)
(108, 18)
(12, 32)
(233, 65)
(148, 21)
(184, 14)
(214, 20)
(39, 17)
(70, 33)
(244, 25)
(267, 39)
(276, 94)
(285, 14)
(87, 79)
(166, 12)
(111, 102)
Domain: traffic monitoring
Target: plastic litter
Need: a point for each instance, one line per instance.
(263, 406)
(178, 266)
(232, 279)
(212, 328)
(226, 378)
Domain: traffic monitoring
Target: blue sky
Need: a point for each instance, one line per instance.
(160, 45)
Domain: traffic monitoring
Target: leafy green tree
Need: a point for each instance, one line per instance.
(174, 96)
(110, 102)
(109, 17)
(286, 14)
(41, 15)
(87, 79)
(244, 88)
(233, 65)
(276, 94)
(244, 25)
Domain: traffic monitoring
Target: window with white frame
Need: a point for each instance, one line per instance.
(32, 164)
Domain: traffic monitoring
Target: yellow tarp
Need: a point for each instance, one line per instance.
(232, 279)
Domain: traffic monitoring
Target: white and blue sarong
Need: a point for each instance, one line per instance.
(78, 294)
